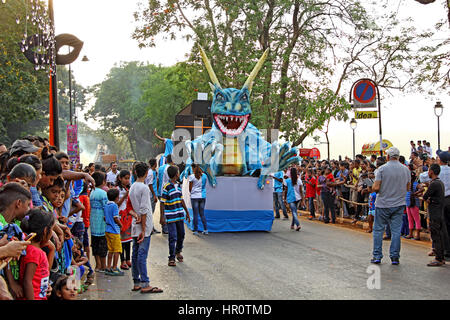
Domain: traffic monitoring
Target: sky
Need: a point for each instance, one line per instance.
(106, 26)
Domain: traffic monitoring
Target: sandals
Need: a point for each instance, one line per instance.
(138, 288)
(298, 228)
(151, 290)
(436, 263)
(179, 257)
(431, 253)
(172, 263)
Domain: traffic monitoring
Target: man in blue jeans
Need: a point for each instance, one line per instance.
(278, 195)
(141, 230)
(392, 181)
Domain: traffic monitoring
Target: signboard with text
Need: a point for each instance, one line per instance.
(366, 114)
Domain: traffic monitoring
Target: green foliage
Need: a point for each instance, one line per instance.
(316, 48)
(21, 87)
(136, 98)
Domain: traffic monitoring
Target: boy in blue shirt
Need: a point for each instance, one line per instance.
(172, 214)
(98, 199)
(112, 232)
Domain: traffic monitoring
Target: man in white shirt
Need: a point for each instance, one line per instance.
(429, 150)
(111, 176)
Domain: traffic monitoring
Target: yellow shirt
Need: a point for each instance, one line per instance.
(356, 173)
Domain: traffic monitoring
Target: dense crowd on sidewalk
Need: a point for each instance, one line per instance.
(329, 189)
(54, 216)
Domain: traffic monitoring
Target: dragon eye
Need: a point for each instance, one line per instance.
(244, 97)
(220, 97)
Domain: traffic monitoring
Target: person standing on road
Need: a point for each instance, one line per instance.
(197, 189)
(172, 209)
(311, 184)
(392, 182)
(141, 230)
(294, 195)
(151, 181)
(163, 178)
(443, 160)
(435, 198)
(278, 195)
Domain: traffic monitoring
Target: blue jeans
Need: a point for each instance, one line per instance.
(176, 238)
(394, 218)
(139, 262)
(293, 206)
(198, 207)
(279, 203)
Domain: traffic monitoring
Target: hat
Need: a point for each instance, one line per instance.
(393, 152)
(444, 156)
(23, 145)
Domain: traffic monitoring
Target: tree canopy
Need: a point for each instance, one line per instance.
(316, 48)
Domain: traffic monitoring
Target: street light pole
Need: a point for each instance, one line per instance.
(70, 93)
(353, 125)
(438, 109)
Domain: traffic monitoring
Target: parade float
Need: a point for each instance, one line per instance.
(237, 160)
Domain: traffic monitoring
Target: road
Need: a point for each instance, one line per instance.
(319, 262)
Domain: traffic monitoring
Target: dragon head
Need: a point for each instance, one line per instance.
(231, 107)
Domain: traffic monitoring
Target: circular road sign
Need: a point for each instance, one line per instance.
(364, 91)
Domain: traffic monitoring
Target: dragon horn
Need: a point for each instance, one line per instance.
(208, 66)
(249, 83)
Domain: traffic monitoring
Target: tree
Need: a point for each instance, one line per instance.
(315, 46)
(21, 86)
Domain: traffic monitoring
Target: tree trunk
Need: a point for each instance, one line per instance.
(328, 145)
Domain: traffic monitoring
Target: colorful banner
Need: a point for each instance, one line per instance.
(374, 148)
(72, 144)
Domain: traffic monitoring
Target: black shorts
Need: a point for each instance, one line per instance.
(99, 246)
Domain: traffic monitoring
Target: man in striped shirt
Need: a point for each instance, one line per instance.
(172, 210)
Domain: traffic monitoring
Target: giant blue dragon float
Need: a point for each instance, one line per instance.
(237, 160)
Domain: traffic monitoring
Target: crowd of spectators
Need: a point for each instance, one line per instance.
(344, 188)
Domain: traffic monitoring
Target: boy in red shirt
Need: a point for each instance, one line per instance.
(311, 189)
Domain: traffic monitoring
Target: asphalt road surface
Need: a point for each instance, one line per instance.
(319, 262)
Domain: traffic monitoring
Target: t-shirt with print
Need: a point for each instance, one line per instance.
(111, 211)
(171, 198)
(372, 198)
(394, 178)
(356, 173)
(277, 185)
(98, 199)
(198, 186)
(41, 276)
(342, 176)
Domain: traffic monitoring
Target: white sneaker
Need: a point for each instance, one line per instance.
(205, 232)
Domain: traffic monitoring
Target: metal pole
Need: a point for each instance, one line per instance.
(379, 120)
(54, 88)
(353, 143)
(439, 136)
(70, 94)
